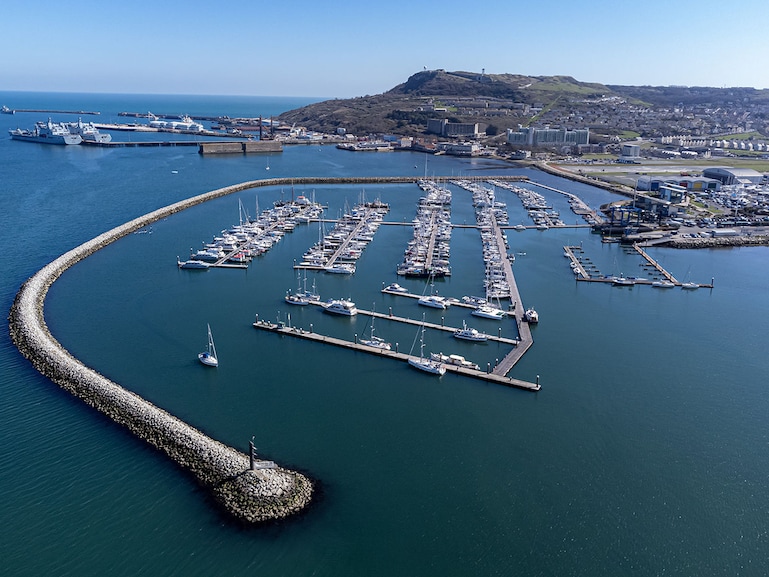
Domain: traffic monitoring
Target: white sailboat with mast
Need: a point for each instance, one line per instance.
(208, 357)
(375, 341)
(423, 364)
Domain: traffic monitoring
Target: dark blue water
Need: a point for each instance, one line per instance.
(645, 453)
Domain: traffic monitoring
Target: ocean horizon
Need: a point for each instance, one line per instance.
(643, 454)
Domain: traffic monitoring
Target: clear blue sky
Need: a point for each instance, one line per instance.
(346, 48)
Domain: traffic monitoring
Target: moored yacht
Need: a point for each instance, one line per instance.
(192, 264)
(469, 334)
(375, 341)
(296, 299)
(427, 365)
(488, 311)
(395, 288)
(531, 316)
(341, 307)
(457, 360)
(434, 301)
(341, 268)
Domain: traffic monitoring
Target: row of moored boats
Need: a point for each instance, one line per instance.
(239, 244)
(338, 250)
(427, 254)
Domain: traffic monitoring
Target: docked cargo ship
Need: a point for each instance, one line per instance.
(47, 133)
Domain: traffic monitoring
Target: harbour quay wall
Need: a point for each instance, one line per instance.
(255, 146)
(267, 492)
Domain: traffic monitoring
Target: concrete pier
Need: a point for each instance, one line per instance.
(249, 147)
(492, 376)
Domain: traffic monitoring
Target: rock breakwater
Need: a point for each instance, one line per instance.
(268, 492)
(720, 242)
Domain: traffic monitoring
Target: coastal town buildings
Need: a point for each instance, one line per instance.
(545, 137)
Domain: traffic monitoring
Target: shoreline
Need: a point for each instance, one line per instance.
(759, 239)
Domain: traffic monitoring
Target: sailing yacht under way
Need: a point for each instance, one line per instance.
(208, 357)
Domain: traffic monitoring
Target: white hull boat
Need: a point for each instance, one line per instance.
(208, 357)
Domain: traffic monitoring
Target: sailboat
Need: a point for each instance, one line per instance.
(208, 357)
(375, 341)
(299, 297)
(311, 295)
(423, 364)
(688, 284)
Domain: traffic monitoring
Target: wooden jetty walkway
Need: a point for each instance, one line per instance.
(576, 264)
(656, 265)
(492, 376)
(517, 310)
(438, 327)
(581, 274)
(581, 209)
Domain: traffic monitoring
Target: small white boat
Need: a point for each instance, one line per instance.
(341, 307)
(622, 281)
(469, 334)
(457, 360)
(192, 264)
(395, 288)
(690, 286)
(488, 311)
(662, 284)
(296, 299)
(531, 316)
(477, 301)
(208, 357)
(433, 301)
(341, 268)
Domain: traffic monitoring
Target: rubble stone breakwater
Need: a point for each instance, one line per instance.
(262, 493)
(719, 242)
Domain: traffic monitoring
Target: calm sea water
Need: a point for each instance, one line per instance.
(645, 453)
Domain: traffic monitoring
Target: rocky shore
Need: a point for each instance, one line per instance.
(268, 492)
(719, 242)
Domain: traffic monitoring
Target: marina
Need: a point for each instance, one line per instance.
(401, 457)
